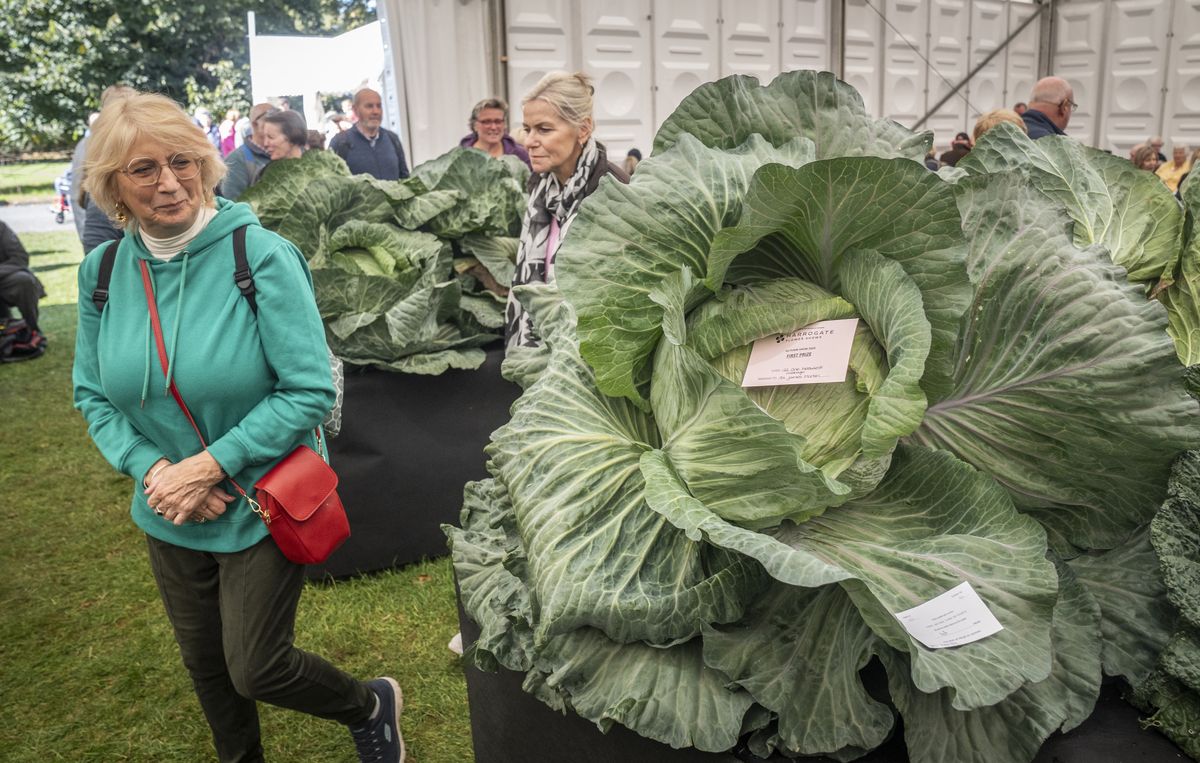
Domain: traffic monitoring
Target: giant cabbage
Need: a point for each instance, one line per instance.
(663, 548)
(400, 268)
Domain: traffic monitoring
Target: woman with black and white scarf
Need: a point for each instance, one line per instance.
(567, 166)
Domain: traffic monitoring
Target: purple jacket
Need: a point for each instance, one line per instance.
(510, 146)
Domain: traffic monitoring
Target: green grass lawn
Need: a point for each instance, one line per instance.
(29, 181)
(89, 670)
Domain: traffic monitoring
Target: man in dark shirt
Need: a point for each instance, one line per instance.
(367, 147)
(1050, 107)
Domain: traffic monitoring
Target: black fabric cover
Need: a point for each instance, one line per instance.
(408, 444)
(509, 725)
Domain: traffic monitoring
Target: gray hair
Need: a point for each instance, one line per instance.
(1051, 90)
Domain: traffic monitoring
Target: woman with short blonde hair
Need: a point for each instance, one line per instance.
(568, 164)
(255, 378)
(129, 119)
(570, 95)
(994, 117)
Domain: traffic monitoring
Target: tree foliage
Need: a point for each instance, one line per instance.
(57, 56)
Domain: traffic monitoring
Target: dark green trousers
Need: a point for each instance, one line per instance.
(234, 618)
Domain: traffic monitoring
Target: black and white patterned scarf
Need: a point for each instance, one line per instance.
(549, 198)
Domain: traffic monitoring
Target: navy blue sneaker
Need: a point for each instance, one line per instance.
(378, 739)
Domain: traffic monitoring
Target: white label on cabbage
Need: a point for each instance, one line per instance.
(816, 354)
(954, 618)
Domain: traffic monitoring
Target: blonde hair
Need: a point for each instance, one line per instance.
(570, 95)
(996, 116)
(126, 121)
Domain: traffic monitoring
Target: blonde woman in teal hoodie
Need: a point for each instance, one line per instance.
(257, 385)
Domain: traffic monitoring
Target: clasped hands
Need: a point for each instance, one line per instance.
(186, 491)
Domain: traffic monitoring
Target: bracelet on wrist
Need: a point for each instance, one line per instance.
(153, 474)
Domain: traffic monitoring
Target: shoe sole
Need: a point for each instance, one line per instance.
(399, 695)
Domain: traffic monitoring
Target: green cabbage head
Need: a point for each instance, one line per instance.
(663, 548)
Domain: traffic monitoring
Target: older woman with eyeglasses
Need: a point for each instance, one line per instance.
(257, 384)
(489, 131)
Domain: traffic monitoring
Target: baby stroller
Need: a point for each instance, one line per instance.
(62, 197)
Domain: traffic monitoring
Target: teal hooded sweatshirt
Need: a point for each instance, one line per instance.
(256, 385)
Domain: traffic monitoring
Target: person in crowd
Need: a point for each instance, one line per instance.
(1145, 158)
(285, 135)
(102, 229)
(1050, 107)
(315, 141)
(568, 163)
(244, 164)
(98, 227)
(1172, 172)
(203, 118)
(1157, 142)
(347, 108)
(489, 130)
(368, 148)
(336, 123)
(78, 197)
(931, 161)
(1020, 107)
(1193, 161)
(994, 117)
(632, 158)
(257, 386)
(241, 131)
(959, 147)
(19, 287)
(228, 130)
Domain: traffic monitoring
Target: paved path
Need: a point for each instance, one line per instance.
(34, 218)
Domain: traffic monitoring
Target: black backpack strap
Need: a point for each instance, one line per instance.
(241, 268)
(107, 260)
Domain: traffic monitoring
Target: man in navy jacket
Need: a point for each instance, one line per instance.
(1050, 107)
(367, 147)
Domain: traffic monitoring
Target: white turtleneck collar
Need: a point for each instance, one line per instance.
(166, 248)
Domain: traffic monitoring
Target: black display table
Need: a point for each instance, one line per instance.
(408, 445)
(509, 725)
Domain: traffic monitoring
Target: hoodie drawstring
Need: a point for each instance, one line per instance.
(174, 334)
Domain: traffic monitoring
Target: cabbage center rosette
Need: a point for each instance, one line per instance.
(701, 562)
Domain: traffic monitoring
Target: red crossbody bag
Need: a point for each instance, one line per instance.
(297, 498)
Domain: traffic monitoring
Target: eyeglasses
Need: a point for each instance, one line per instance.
(1070, 104)
(145, 171)
(490, 122)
